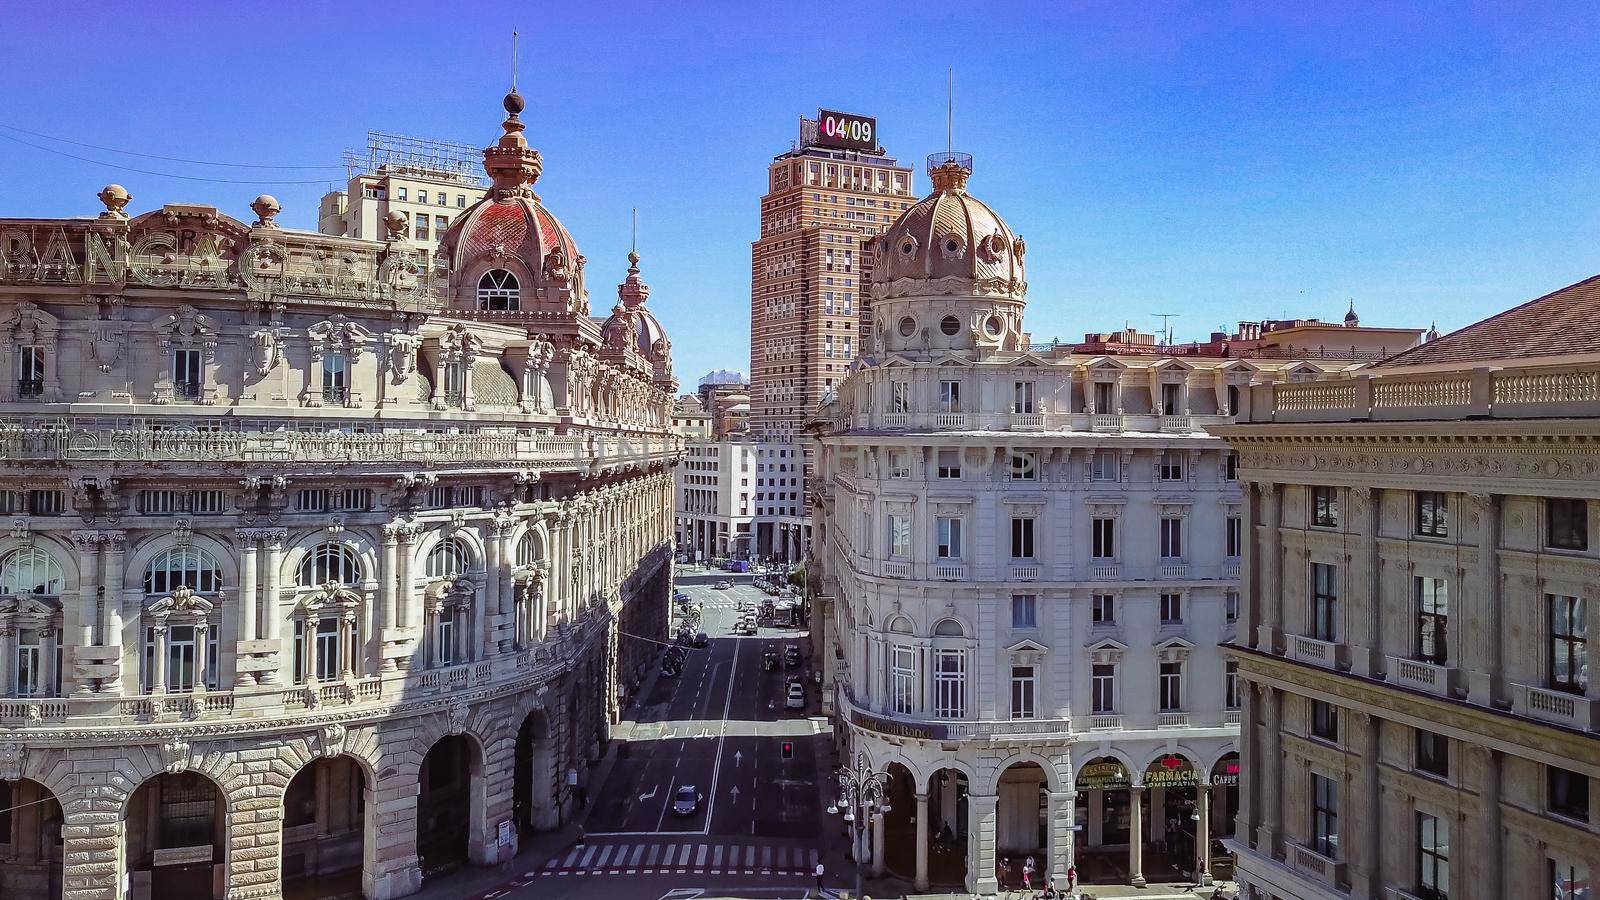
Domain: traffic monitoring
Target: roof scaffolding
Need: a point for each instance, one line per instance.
(390, 153)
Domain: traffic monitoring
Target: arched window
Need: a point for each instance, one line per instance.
(498, 290)
(448, 559)
(948, 628)
(30, 571)
(330, 562)
(529, 549)
(188, 567)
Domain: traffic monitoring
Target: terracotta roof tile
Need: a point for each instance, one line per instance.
(1562, 322)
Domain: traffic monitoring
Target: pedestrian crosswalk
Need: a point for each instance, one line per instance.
(709, 858)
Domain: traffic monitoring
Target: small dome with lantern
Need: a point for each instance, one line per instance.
(949, 243)
(508, 252)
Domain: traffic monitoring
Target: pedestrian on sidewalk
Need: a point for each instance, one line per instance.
(1027, 875)
(819, 876)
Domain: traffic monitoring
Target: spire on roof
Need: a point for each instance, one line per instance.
(1351, 320)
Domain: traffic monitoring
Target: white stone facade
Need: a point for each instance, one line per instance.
(1417, 631)
(716, 489)
(1025, 563)
(281, 503)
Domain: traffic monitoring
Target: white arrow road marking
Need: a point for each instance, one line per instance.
(738, 757)
(735, 792)
(653, 789)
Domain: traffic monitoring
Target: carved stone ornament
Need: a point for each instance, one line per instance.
(266, 349)
(457, 717)
(330, 740)
(175, 755)
(12, 756)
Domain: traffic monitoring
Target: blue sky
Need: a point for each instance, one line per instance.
(1221, 161)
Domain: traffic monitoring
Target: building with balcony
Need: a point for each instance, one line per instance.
(1027, 558)
(715, 495)
(1415, 647)
(325, 572)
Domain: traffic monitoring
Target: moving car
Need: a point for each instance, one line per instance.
(722, 585)
(681, 597)
(769, 660)
(797, 696)
(700, 639)
(685, 801)
(791, 656)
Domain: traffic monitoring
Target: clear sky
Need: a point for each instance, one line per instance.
(1220, 161)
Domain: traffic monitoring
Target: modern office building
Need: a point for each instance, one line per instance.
(715, 502)
(1025, 560)
(1421, 712)
(428, 182)
(326, 571)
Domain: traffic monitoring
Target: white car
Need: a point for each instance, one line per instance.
(797, 696)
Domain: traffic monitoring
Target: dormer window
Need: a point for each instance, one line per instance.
(498, 290)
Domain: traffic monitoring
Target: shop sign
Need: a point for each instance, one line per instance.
(1170, 771)
(1229, 776)
(1102, 776)
(916, 730)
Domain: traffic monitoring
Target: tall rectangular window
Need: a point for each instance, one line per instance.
(1325, 507)
(335, 378)
(950, 684)
(1169, 399)
(1025, 465)
(899, 396)
(1103, 394)
(1230, 685)
(1567, 793)
(1433, 619)
(1103, 609)
(950, 396)
(1324, 721)
(1230, 466)
(1171, 675)
(1568, 880)
(1022, 397)
(1023, 692)
(1105, 538)
(1569, 643)
(949, 463)
(900, 536)
(1171, 538)
(30, 654)
(949, 546)
(1432, 514)
(902, 679)
(30, 372)
(1325, 618)
(1105, 465)
(1433, 753)
(1172, 465)
(1566, 524)
(1022, 537)
(187, 374)
(1235, 537)
(1325, 816)
(1104, 676)
(1171, 609)
(1024, 611)
(1230, 606)
(1433, 857)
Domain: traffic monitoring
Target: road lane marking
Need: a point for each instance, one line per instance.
(572, 856)
(588, 855)
(722, 733)
(637, 852)
(700, 858)
(655, 852)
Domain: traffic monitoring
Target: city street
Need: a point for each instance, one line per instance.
(718, 727)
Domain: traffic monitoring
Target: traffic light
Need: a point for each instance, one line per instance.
(788, 749)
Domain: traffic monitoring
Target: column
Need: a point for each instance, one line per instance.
(1061, 810)
(1202, 833)
(271, 615)
(347, 633)
(1249, 760)
(405, 597)
(508, 587)
(201, 656)
(1367, 865)
(48, 665)
(1493, 849)
(312, 626)
(539, 585)
(489, 594)
(8, 653)
(88, 545)
(981, 843)
(1483, 677)
(877, 845)
(158, 675)
(383, 616)
(1364, 503)
(1271, 783)
(1136, 836)
(1250, 599)
(111, 609)
(921, 881)
(248, 620)
(1271, 596)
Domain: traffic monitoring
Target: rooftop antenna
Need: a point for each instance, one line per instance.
(635, 247)
(513, 59)
(1166, 325)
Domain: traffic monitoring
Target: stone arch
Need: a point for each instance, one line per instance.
(1180, 750)
(301, 546)
(1209, 762)
(334, 865)
(470, 540)
(956, 765)
(138, 561)
(536, 763)
(1053, 778)
(451, 785)
(37, 817)
(535, 530)
(174, 773)
(1106, 752)
(61, 551)
(951, 618)
(466, 288)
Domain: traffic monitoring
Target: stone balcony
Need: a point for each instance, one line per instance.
(1314, 652)
(1420, 675)
(935, 729)
(1005, 420)
(1309, 862)
(1555, 707)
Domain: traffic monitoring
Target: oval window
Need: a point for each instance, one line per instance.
(950, 325)
(907, 248)
(994, 326)
(951, 246)
(908, 326)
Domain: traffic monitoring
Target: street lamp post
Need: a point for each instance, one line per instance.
(861, 795)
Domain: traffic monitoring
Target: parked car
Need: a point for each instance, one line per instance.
(797, 696)
(700, 639)
(722, 585)
(681, 597)
(791, 656)
(686, 800)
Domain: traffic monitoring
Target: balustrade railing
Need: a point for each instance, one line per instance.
(1485, 392)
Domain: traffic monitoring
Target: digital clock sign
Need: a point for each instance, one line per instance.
(848, 132)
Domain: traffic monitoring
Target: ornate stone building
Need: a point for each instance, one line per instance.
(1026, 561)
(1417, 647)
(324, 569)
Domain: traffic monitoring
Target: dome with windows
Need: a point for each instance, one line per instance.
(507, 252)
(949, 243)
